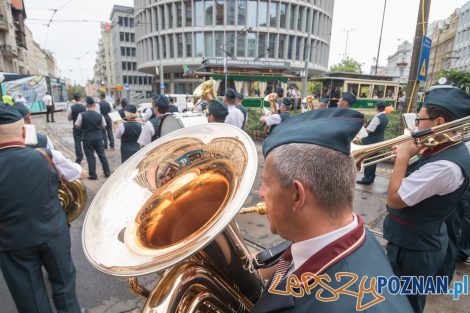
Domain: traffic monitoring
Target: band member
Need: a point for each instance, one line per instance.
(72, 115)
(151, 129)
(376, 132)
(235, 116)
(173, 108)
(34, 232)
(280, 96)
(91, 123)
(346, 100)
(323, 102)
(123, 106)
(129, 133)
(271, 120)
(105, 109)
(423, 193)
(239, 105)
(304, 157)
(43, 140)
(218, 111)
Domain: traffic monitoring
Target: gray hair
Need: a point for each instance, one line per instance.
(328, 173)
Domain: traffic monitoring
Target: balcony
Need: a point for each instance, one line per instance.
(8, 51)
(3, 23)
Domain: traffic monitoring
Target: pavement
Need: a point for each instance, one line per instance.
(101, 293)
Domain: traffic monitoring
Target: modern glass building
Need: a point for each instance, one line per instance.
(181, 33)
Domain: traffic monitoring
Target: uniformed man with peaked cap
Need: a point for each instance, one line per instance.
(151, 129)
(217, 112)
(424, 188)
(34, 232)
(346, 100)
(129, 133)
(308, 188)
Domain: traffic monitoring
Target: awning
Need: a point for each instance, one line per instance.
(283, 79)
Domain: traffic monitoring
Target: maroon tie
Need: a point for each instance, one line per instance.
(283, 265)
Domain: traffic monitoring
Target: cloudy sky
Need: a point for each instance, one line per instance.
(74, 31)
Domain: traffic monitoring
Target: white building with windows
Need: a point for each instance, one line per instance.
(460, 59)
(177, 33)
(399, 63)
(136, 85)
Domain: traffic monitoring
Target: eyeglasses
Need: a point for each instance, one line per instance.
(418, 119)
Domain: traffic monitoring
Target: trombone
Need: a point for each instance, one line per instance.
(455, 131)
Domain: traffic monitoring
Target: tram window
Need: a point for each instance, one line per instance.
(364, 91)
(353, 88)
(378, 92)
(390, 92)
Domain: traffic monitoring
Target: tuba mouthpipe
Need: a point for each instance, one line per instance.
(260, 208)
(137, 288)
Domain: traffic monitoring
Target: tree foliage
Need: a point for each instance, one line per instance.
(458, 78)
(74, 89)
(347, 65)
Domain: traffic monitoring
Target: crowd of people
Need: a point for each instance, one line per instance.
(308, 185)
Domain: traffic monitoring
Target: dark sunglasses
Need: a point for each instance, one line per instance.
(417, 120)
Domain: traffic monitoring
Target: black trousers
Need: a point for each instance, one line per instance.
(108, 133)
(90, 145)
(22, 270)
(77, 139)
(369, 172)
(50, 111)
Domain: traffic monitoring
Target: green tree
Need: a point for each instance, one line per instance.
(313, 87)
(347, 65)
(458, 78)
(74, 89)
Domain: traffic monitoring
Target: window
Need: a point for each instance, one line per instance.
(199, 13)
(251, 47)
(219, 41)
(131, 22)
(283, 12)
(140, 80)
(378, 92)
(163, 10)
(241, 46)
(126, 22)
(230, 12)
(219, 12)
(163, 41)
(282, 40)
(172, 46)
(132, 37)
(298, 47)
(123, 51)
(127, 37)
(124, 79)
(121, 37)
(124, 65)
(128, 51)
(134, 66)
(121, 21)
(272, 44)
(188, 14)
(230, 42)
(179, 42)
(290, 47)
(390, 92)
(272, 14)
(251, 18)
(364, 91)
(353, 88)
(198, 44)
(300, 19)
(242, 12)
(179, 14)
(189, 44)
(209, 10)
(208, 45)
(292, 17)
(262, 44)
(263, 13)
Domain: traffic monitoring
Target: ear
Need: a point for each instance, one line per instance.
(23, 132)
(440, 120)
(299, 195)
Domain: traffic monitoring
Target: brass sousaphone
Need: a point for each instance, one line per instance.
(170, 209)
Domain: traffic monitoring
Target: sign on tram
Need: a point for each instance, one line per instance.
(424, 58)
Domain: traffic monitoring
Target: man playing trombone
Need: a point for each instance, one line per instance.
(425, 186)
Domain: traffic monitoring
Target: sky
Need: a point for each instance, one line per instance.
(74, 43)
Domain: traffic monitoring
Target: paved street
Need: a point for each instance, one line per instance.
(103, 293)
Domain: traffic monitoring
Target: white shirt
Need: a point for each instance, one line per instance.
(235, 117)
(119, 131)
(78, 122)
(273, 119)
(68, 170)
(303, 250)
(147, 114)
(435, 178)
(146, 135)
(47, 99)
(374, 123)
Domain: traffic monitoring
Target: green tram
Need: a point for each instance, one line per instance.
(368, 89)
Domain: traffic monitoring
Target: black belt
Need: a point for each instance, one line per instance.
(269, 257)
